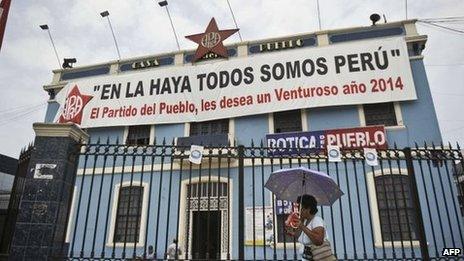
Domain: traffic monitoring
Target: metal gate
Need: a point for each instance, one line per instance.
(14, 202)
(151, 202)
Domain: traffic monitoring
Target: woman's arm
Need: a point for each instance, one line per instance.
(297, 232)
(316, 234)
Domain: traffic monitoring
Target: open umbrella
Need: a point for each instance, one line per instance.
(289, 184)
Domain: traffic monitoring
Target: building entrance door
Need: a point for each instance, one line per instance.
(206, 234)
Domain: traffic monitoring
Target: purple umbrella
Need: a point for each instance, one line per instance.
(289, 184)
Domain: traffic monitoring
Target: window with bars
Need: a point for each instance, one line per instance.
(138, 135)
(287, 121)
(380, 114)
(205, 189)
(396, 211)
(209, 127)
(129, 212)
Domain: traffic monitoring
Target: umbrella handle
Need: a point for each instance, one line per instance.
(302, 192)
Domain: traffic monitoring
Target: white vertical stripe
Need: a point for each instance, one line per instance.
(71, 214)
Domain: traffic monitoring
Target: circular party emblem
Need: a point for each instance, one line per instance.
(370, 156)
(196, 154)
(334, 153)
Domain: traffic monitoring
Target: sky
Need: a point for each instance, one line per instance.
(142, 28)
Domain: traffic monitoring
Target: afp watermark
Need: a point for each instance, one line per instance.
(448, 251)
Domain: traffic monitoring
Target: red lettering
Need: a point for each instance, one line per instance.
(94, 113)
(236, 101)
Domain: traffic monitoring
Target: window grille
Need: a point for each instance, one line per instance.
(128, 215)
(209, 127)
(205, 189)
(138, 135)
(396, 211)
(287, 121)
(380, 114)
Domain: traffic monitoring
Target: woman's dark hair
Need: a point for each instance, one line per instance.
(308, 202)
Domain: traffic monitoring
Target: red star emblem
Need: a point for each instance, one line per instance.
(211, 40)
(74, 106)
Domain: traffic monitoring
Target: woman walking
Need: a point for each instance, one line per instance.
(311, 231)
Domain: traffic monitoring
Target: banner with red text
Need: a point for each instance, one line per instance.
(303, 142)
(361, 72)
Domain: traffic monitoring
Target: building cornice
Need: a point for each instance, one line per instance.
(67, 130)
(236, 44)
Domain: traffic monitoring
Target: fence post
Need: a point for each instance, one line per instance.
(13, 204)
(45, 202)
(416, 202)
(241, 204)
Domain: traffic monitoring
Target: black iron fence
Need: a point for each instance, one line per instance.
(14, 201)
(151, 202)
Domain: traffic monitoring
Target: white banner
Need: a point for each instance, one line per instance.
(351, 73)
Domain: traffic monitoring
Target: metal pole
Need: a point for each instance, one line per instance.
(173, 29)
(417, 207)
(406, 8)
(54, 48)
(114, 37)
(241, 204)
(318, 15)
(235, 22)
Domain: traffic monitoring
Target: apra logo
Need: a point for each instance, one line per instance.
(210, 40)
(74, 106)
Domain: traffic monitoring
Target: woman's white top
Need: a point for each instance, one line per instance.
(304, 239)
